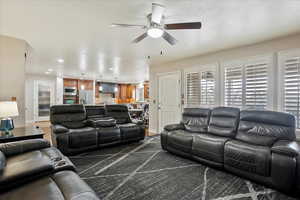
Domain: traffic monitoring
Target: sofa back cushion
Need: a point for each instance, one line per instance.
(265, 127)
(224, 121)
(196, 119)
(95, 111)
(70, 116)
(119, 113)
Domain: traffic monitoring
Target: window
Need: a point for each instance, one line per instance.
(290, 76)
(201, 87)
(207, 88)
(256, 76)
(246, 84)
(233, 86)
(193, 89)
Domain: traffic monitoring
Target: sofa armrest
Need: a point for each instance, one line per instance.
(23, 171)
(57, 129)
(14, 148)
(137, 122)
(174, 127)
(285, 147)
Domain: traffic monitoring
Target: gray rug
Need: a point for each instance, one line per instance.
(144, 171)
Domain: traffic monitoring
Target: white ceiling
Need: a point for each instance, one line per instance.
(78, 31)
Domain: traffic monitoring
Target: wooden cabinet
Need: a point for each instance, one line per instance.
(85, 85)
(68, 82)
(79, 85)
(146, 90)
(125, 93)
(70, 99)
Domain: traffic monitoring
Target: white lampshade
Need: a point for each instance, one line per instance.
(8, 109)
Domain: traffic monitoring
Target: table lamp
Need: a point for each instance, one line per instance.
(8, 109)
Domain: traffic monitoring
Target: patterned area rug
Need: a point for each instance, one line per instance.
(144, 171)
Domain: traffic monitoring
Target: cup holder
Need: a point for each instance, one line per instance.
(56, 159)
(61, 163)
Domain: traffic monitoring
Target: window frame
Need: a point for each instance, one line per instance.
(281, 58)
(214, 67)
(243, 62)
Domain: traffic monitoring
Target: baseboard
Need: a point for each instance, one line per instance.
(153, 131)
(29, 122)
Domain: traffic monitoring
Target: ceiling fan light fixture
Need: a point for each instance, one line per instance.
(155, 32)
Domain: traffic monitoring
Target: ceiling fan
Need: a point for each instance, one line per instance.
(156, 27)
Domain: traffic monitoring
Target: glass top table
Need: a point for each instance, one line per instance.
(24, 133)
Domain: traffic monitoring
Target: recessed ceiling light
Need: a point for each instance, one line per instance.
(60, 60)
(111, 69)
(50, 70)
(47, 72)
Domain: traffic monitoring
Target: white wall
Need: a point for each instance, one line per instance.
(263, 48)
(59, 93)
(12, 73)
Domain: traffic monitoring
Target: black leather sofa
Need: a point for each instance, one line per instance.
(78, 128)
(258, 145)
(31, 169)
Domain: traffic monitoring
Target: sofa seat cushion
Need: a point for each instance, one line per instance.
(209, 147)
(65, 185)
(130, 131)
(32, 155)
(82, 137)
(181, 140)
(108, 135)
(247, 157)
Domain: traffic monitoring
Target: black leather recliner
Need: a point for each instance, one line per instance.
(264, 149)
(78, 128)
(178, 138)
(31, 169)
(70, 131)
(209, 147)
(130, 130)
(258, 145)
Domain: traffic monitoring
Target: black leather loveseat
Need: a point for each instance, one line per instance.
(78, 128)
(258, 145)
(31, 169)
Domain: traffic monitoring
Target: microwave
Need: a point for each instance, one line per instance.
(71, 91)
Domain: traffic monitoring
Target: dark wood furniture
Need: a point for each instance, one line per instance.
(25, 133)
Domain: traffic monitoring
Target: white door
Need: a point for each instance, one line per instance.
(169, 103)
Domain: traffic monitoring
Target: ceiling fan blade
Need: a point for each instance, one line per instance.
(169, 38)
(128, 26)
(157, 13)
(141, 37)
(191, 25)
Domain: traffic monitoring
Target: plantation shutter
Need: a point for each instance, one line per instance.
(233, 86)
(193, 89)
(256, 80)
(207, 88)
(292, 87)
